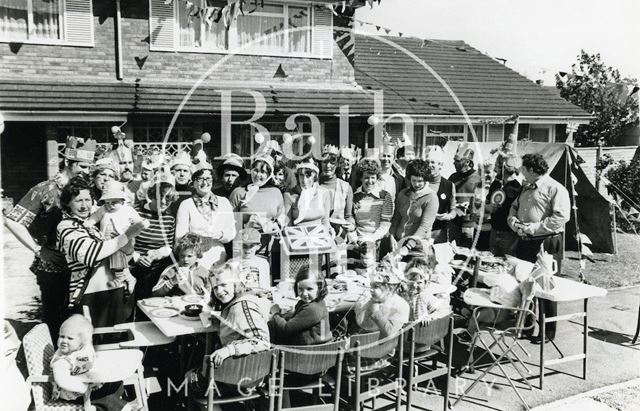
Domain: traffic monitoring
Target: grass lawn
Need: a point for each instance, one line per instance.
(609, 270)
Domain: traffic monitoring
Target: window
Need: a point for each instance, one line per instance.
(438, 135)
(152, 131)
(541, 134)
(274, 29)
(243, 142)
(47, 21)
(101, 132)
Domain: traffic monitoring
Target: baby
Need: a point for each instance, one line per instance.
(115, 216)
(75, 355)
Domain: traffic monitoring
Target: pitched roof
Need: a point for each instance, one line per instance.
(484, 86)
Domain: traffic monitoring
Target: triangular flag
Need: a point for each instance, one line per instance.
(377, 28)
(399, 34)
(386, 30)
(584, 239)
(586, 251)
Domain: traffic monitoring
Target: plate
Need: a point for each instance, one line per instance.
(165, 312)
(186, 317)
(156, 302)
(192, 298)
(351, 298)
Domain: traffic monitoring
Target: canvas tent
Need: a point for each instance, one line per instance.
(593, 210)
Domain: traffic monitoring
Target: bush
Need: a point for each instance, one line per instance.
(624, 185)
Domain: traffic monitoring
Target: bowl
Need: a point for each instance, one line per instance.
(192, 310)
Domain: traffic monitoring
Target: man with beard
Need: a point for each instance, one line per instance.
(446, 192)
(503, 191)
(123, 156)
(33, 221)
(231, 174)
(465, 179)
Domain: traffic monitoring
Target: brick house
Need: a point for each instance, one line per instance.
(77, 67)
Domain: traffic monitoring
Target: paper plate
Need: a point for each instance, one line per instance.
(156, 302)
(351, 298)
(192, 298)
(165, 312)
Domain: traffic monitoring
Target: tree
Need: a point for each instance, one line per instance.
(600, 90)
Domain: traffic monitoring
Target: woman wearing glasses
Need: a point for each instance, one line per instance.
(307, 203)
(208, 215)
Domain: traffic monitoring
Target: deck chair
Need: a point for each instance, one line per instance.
(423, 365)
(311, 361)
(245, 373)
(370, 348)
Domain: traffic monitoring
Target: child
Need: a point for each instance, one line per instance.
(421, 274)
(115, 217)
(255, 269)
(187, 276)
(309, 322)
(243, 322)
(75, 355)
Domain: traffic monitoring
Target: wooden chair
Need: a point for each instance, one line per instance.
(313, 361)
(372, 349)
(428, 334)
(244, 373)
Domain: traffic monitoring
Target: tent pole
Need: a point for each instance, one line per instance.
(615, 224)
(574, 208)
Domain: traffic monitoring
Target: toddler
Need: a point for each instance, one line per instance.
(187, 276)
(75, 355)
(255, 269)
(308, 324)
(421, 279)
(115, 216)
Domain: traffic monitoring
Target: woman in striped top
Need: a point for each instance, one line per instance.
(154, 244)
(86, 252)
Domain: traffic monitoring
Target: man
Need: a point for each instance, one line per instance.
(538, 216)
(503, 191)
(33, 222)
(391, 180)
(123, 156)
(346, 163)
(404, 155)
(231, 174)
(446, 196)
(466, 180)
(181, 170)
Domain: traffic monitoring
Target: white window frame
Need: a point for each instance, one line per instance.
(550, 127)
(62, 29)
(231, 46)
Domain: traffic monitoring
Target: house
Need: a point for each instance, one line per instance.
(163, 70)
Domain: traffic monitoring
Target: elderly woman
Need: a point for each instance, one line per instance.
(155, 242)
(416, 206)
(341, 194)
(372, 210)
(208, 215)
(260, 201)
(86, 252)
(307, 203)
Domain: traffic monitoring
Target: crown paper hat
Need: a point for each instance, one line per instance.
(435, 153)
(77, 149)
(150, 163)
(113, 190)
(309, 165)
(464, 152)
(107, 163)
(164, 176)
(350, 153)
(329, 149)
(388, 271)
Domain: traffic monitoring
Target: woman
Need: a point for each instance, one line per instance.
(86, 253)
(208, 215)
(372, 211)
(154, 244)
(260, 201)
(341, 195)
(307, 203)
(416, 206)
(446, 192)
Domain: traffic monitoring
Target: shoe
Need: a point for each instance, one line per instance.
(464, 338)
(537, 340)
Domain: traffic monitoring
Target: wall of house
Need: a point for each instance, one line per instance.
(99, 63)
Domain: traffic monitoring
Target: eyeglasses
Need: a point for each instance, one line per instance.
(204, 180)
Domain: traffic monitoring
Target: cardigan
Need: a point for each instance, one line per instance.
(268, 201)
(307, 325)
(414, 214)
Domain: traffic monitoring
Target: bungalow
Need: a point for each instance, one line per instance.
(170, 72)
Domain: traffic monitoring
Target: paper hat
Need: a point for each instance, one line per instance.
(248, 235)
(263, 157)
(234, 162)
(113, 190)
(107, 163)
(228, 272)
(273, 145)
(387, 148)
(77, 149)
(329, 149)
(350, 153)
(200, 162)
(435, 153)
(464, 153)
(181, 158)
(309, 165)
(164, 177)
(372, 153)
(150, 163)
(406, 141)
(122, 151)
(387, 274)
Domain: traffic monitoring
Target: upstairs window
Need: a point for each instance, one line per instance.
(68, 22)
(279, 29)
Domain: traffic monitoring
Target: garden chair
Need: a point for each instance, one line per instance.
(311, 363)
(245, 373)
(428, 334)
(371, 349)
(118, 365)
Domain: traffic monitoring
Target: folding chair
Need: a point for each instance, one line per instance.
(311, 361)
(246, 374)
(370, 348)
(427, 335)
(500, 340)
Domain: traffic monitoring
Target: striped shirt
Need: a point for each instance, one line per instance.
(160, 233)
(80, 246)
(371, 209)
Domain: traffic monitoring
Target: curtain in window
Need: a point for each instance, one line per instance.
(13, 19)
(46, 19)
(300, 30)
(189, 27)
(253, 26)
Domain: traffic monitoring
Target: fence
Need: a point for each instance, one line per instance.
(590, 157)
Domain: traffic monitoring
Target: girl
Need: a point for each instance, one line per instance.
(309, 322)
(424, 304)
(187, 276)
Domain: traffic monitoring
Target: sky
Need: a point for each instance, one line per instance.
(538, 38)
